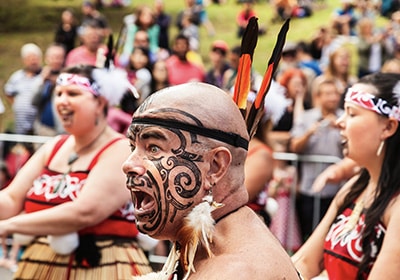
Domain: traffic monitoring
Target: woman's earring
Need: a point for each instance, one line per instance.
(379, 151)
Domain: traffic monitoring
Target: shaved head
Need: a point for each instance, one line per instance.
(210, 105)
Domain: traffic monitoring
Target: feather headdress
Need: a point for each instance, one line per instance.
(113, 82)
(242, 84)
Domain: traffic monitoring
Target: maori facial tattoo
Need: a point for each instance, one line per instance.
(171, 158)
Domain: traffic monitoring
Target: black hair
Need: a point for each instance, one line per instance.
(388, 185)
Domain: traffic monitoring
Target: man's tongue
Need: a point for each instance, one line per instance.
(147, 203)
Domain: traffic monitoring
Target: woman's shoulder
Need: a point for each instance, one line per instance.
(257, 146)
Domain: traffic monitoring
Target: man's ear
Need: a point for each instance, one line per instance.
(391, 128)
(220, 160)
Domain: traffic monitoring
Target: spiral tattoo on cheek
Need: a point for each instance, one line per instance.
(180, 181)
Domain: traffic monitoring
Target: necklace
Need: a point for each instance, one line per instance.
(354, 217)
(75, 155)
(63, 183)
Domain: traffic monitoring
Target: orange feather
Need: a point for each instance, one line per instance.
(243, 77)
(257, 109)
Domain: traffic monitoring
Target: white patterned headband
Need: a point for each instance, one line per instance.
(65, 79)
(373, 103)
(111, 84)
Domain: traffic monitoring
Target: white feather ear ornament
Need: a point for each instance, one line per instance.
(198, 229)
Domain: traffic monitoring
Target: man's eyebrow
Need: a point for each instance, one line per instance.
(152, 134)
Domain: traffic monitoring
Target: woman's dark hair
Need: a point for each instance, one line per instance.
(146, 52)
(389, 181)
(139, 12)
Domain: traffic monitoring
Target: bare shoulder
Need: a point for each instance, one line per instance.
(118, 144)
(248, 250)
(235, 266)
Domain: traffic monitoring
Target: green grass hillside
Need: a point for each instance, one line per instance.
(26, 21)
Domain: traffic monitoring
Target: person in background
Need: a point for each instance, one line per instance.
(371, 48)
(191, 31)
(242, 18)
(163, 20)
(357, 238)
(315, 133)
(219, 65)
(93, 50)
(139, 73)
(67, 30)
(91, 13)
(258, 171)
(344, 19)
(338, 70)
(47, 123)
(59, 190)
(186, 174)
(144, 20)
(22, 86)
(295, 83)
(283, 188)
(159, 75)
(180, 69)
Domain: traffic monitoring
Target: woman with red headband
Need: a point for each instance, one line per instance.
(358, 237)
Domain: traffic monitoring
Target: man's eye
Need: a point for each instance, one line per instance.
(154, 149)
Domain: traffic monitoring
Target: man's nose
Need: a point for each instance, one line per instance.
(134, 164)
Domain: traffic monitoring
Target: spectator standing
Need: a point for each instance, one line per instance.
(242, 18)
(295, 83)
(192, 10)
(283, 187)
(344, 18)
(139, 73)
(191, 31)
(47, 123)
(67, 30)
(159, 75)
(144, 20)
(258, 171)
(338, 70)
(91, 13)
(92, 51)
(371, 48)
(22, 86)
(219, 65)
(180, 69)
(163, 20)
(315, 133)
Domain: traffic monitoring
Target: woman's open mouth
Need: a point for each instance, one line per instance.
(65, 116)
(344, 146)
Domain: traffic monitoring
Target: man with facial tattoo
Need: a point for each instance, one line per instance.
(186, 175)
